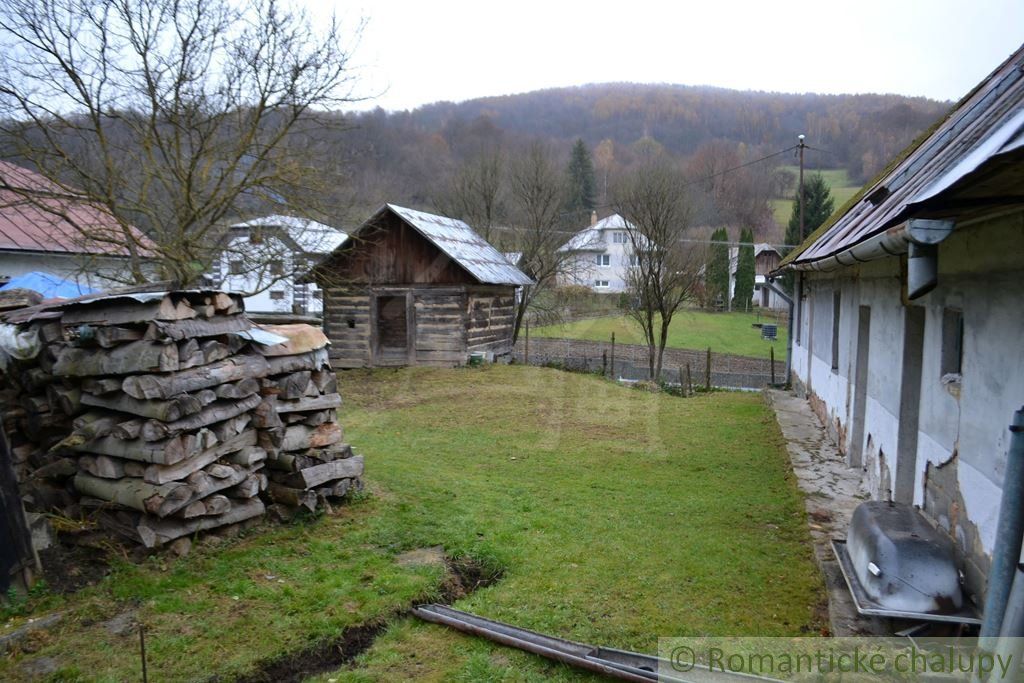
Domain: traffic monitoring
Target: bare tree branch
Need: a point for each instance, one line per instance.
(173, 115)
(537, 191)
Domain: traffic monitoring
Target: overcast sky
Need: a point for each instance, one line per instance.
(420, 52)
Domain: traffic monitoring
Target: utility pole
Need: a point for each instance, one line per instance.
(801, 188)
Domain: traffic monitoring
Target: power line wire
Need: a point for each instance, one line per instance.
(696, 181)
(737, 168)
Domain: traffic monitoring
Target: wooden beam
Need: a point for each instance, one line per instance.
(312, 477)
(215, 412)
(221, 372)
(161, 474)
(140, 356)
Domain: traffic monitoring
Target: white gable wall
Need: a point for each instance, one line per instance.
(585, 270)
(266, 293)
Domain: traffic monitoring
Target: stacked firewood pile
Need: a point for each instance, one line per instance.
(307, 463)
(165, 414)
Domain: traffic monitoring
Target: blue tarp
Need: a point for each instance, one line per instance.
(49, 285)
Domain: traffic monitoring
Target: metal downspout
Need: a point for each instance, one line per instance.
(1009, 531)
(1013, 618)
(798, 287)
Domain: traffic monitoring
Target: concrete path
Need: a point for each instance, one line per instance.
(832, 491)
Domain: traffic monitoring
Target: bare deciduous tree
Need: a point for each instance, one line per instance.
(476, 193)
(664, 270)
(174, 115)
(537, 192)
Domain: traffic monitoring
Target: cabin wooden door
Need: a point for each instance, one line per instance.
(393, 328)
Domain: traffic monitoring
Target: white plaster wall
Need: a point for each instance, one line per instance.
(100, 273)
(981, 267)
(583, 270)
(260, 279)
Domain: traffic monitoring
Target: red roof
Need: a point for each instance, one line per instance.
(54, 220)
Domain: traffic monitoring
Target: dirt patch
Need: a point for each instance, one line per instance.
(462, 578)
(328, 656)
(72, 563)
(465, 576)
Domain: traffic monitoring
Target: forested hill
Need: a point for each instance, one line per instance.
(401, 151)
(681, 118)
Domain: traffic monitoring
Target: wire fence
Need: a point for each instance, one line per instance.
(629, 362)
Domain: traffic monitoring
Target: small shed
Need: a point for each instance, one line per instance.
(412, 288)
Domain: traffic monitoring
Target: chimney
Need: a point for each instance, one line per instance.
(593, 217)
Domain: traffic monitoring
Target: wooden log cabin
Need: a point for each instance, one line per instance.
(412, 288)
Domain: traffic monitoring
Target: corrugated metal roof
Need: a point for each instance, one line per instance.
(55, 221)
(456, 239)
(312, 237)
(956, 147)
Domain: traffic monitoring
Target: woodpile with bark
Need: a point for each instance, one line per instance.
(163, 414)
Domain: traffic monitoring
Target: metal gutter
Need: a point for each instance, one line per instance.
(892, 242)
(617, 664)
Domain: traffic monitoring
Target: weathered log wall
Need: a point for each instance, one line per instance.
(490, 314)
(445, 324)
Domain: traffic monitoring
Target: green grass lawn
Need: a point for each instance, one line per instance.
(690, 329)
(616, 516)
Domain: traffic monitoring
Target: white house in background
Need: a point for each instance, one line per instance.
(45, 228)
(909, 319)
(602, 255)
(263, 257)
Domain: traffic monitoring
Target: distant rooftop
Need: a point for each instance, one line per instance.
(310, 236)
(589, 238)
(39, 215)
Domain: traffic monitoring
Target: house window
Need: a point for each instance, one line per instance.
(600, 283)
(604, 259)
(318, 294)
(633, 259)
(619, 237)
(277, 295)
(236, 267)
(952, 341)
(277, 267)
(836, 303)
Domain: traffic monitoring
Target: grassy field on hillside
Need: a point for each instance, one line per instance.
(613, 516)
(842, 189)
(690, 329)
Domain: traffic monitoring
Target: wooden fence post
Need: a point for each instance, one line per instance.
(689, 381)
(613, 355)
(771, 356)
(526, 353)
(707, 375)
(604, 363)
